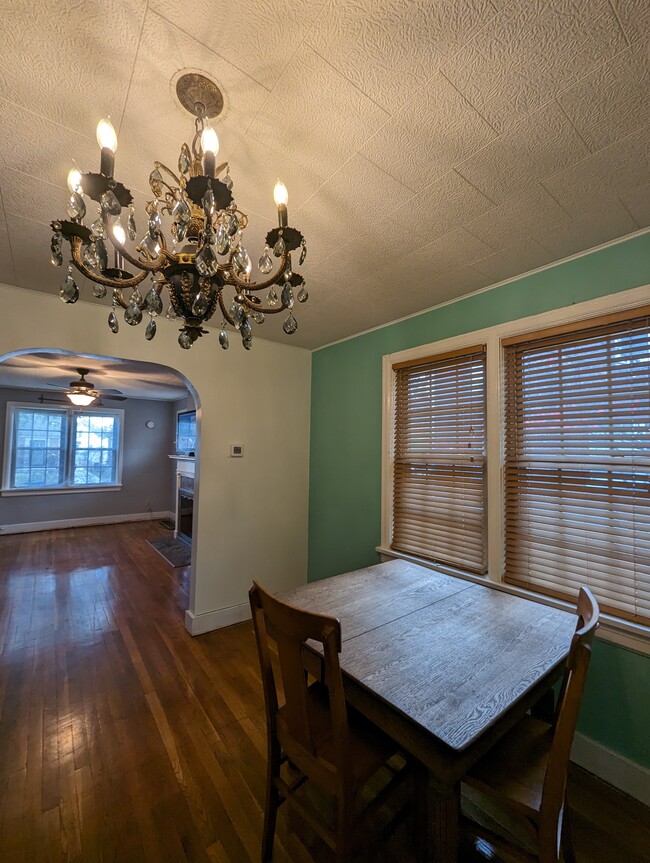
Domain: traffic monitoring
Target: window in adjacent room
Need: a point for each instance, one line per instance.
(577, 462)
(439, 470)
(61, 448)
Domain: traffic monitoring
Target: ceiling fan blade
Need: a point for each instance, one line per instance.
(112, 398)
(111, 392)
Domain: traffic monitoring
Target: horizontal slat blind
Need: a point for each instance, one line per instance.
(439, 460)
(577, 464)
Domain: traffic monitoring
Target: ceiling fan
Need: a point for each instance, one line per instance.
(83, 393)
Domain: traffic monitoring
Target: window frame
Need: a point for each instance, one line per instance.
(628, 634)
(71, 411)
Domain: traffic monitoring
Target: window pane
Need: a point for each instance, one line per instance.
(96, 439)
(38, 452)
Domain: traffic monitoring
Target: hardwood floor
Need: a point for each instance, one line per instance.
(124, 739)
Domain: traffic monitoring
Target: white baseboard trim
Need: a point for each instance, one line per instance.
(626, 775)
(60, 524)
(197, 624)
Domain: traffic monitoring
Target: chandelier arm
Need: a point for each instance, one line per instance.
(75, 247)
(226, 314)
(233, 278)
(171, 174)
(147, 266)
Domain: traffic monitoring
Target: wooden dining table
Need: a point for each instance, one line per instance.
(443, 665)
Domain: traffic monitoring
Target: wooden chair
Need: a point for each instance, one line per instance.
(522, 780)
(314, 732)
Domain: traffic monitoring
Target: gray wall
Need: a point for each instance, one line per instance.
(147, 472)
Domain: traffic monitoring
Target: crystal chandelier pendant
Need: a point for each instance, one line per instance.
(208, 202)
(236, 313)
(223, 338)
(280, 248)
(113, 323)
(155, 182)
(151, 246)
(150, 332)
(233, 225)
(131, 229)
(258, 317)
(69, 292)
(287, 296)
(97, 228)
(206, 260)
(185, 340)
(245, 328)
(242, 262)
(136, 297)
(170, 314)
(272, 298)
(55, 250)
(90, 256)
(265, 263)
(223, 240)
(200, 305)
(303, 253)
(76, 207)
(290, 324)
(152, 302)
(155, 224)
(303, 295)
(100, 291)
(184, 160)
(110, 203)
(101, 254)
(133, 314)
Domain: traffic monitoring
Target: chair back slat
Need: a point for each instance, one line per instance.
(289, 628)
(566, 718)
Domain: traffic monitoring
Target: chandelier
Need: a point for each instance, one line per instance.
(193, 247)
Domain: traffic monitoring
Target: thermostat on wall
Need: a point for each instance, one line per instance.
(236, 450)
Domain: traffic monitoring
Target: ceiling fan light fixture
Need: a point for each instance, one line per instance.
(193, 247)
(82, 400)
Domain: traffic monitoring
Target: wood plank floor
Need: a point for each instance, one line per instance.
(124, 739)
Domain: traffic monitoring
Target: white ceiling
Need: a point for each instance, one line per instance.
(429, 148)
(51, 374)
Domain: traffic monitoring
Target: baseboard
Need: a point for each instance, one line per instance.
(626, 775)
(197, 624)
(60, 524)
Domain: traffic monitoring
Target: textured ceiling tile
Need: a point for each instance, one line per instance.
(32, 199)
(7, 273)
(525, 256)
(434, 131)
(168, 124)
(388, 49)
(315, 116)
(363, 254)
(589, 230)
(637, 202)
(517, 218)
(451, 285)
(30, 242)
(542, 144)
(613, 101)
(619, 168)
(445, 254)
(70, 62)
(257, 36)
(634, 15)
(529, 52)
(445, 204)
(51, 161)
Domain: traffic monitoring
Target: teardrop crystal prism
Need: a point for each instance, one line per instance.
(152, 302)
(136, 297)
(258, 317)
(303, 253)
(290, 324)
(233, 225)
(76, 207)
(155, 224)
(265, 262)
(150, 332)
(208, 202)
(97, 228)
(245, 328)
(247, 343)
(288, 272)
(110, 204)
(287, 296)
(170, 314)
(155, 182)
(200, 305)
(206, 260)
(101, 254)
(228, 182)
(133, 315)
(69, 291)
(181, 212)
(223, 340)
(242, 262)
(90, 256)
(185, 340)
(280, 248)
(113, 322)
(184, 160)
(99, 291)
(272, 298)
(223, 240)
(236, 313)
(303, 295)
(131, 229)
(150, 245)
(55, 251)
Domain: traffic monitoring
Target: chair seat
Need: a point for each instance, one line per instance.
(514, 769)
(370, 748)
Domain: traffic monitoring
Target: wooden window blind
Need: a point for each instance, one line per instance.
(439, 459)
(577, 463)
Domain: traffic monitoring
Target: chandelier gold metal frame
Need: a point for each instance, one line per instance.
(203, 255)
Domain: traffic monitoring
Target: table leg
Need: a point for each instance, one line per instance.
(443, 824)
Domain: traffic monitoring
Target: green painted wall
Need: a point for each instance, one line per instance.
(345, 461)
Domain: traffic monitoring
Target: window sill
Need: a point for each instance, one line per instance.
(20, 492)
(632, 636)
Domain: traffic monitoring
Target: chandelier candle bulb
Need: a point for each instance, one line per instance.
(120, 236)
(74, 179)
(210, 147)
(281, 198)
(107, 140)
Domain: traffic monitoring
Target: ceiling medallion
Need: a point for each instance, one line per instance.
(193, 247)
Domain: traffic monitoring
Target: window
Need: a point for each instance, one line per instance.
(566, 468)
(439, 459)
(61, 448)
(577, 463)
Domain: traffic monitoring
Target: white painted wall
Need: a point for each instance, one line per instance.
(252, 512)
